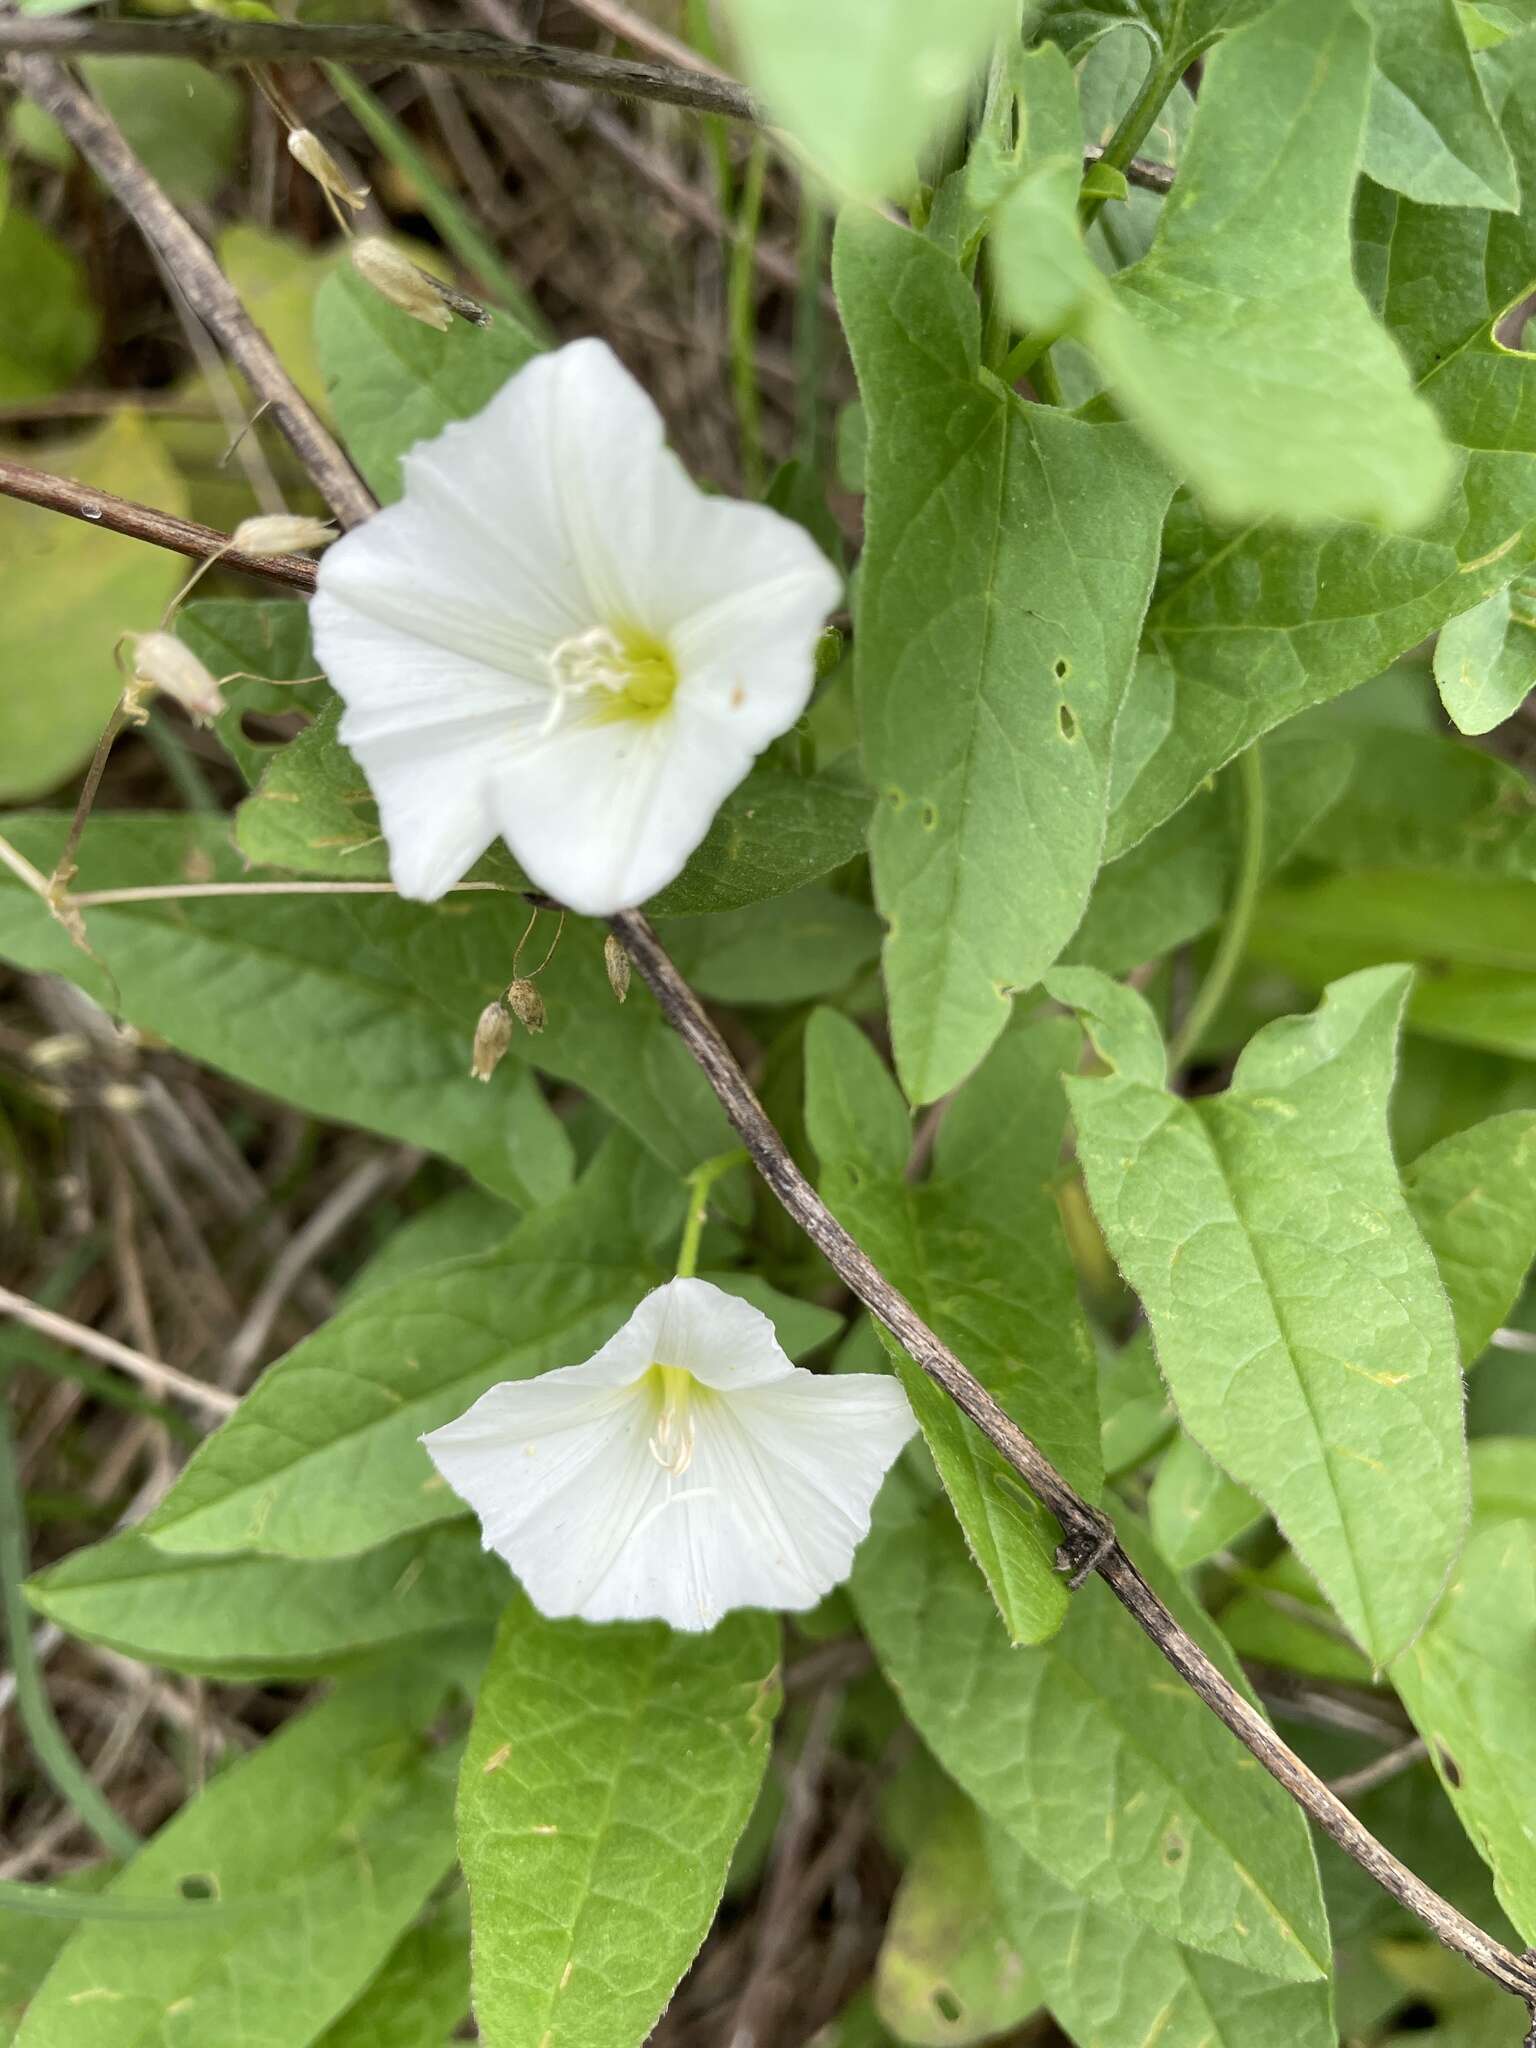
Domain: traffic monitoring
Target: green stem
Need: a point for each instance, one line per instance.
(700, 1181)
(52, 1751)
(1022, 357)
(1135, 126)
(1233, 943)
(1045, 380)
(742, 310)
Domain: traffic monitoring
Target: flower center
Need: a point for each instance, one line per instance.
(671, 1443)
(625, 673)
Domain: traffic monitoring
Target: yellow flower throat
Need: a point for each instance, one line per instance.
(621, 672)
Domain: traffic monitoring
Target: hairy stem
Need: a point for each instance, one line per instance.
(1233, 942)
(1090, 1543)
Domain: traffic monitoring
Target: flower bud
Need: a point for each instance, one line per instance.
(308, 151)
(526, 1004)
(493, 1034)
(616, 960)
(159, 661)
(397, 279)
(281, 533)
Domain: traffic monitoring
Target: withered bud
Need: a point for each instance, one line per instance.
(159, 661)
(616, 960)
(397, 279)
(526, 1005)
(308, 151)
(281, 533)
(493, 1034)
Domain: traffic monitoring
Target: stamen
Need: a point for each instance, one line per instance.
(671, 1443)
(634, 672)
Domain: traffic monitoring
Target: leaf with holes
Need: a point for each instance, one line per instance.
(1105, 1768)
(949, 1973)
(608, 1776)
(978, 1249)
(1009, 556)
(1298, 1317)
(323, 1845)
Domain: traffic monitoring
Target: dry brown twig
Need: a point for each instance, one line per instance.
(210, 39)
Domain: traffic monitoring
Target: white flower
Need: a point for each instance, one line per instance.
(556, 636)
(686, 1469)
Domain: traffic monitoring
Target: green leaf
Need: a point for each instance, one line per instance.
(321, 1460)
(1177, 29)
(1108, 1981)
(808, 944)
(609, 1773)
(864, 86)
(1418, 801)
(1470, 1685)
(1194, 1508)
(1241, 344)
(1009, 556)
(1111, 1774)
(1178, 882)
(1431, 132)
(70, 590)
(380, 999)
(186, 126)
(1474, 1198)
(314, 814)
(1282, 1619)
(1255, 626)
(48, 325)
(393, 381)
(979, 1251)
(241, 1616)
(1475, 942)
(262, 638)
(1299, 1320)
(948, 1974)
(1485, 659)
(422, 1992)
(335, 1831)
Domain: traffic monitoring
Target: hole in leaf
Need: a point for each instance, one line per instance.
(896, 798)
(946, 2005)
(1449, 1767)
(930, 817)
(1063, 668)
(1174, 1848)
(197, 1884)
(1068, 723)
(272, 728)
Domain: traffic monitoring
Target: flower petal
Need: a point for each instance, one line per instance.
(602, 816)
(722, 1340)
(768, 1513)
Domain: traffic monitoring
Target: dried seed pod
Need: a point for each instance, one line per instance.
(308, 151)
(493, 1034)
(526, 1004)
(159, 661)
(281, 533)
